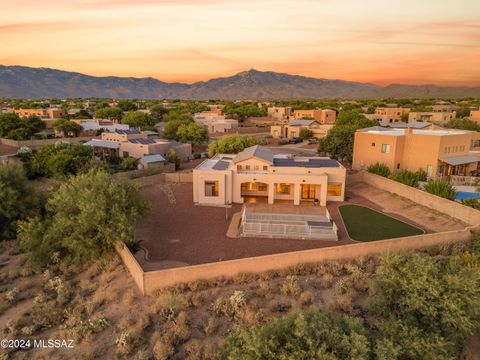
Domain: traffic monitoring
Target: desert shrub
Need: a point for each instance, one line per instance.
(12, 295)
(128, 163)
(47, 314)
(406, 177)
(427, 306)
(282, 141)
(88, 327)
(231, 305)
(171, 303)
(474, 203)
(279, 306)
(315, 334)
(178, 331)
(441, 188)
(379, 169)
(162, 350)
(326, 280)
(306, 298)
(291, 286)
(237, 300)
(421, 175)
(123, 342)
(250, 317)
(85, 219)
(211, 326)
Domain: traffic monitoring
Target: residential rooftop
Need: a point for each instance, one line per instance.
(225, 161)
(401, 132)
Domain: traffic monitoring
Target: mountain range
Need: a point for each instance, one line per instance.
(28, 82)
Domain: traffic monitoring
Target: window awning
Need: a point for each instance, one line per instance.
(460, 159)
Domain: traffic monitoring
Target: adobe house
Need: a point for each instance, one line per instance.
(256, 175)
(439, 152)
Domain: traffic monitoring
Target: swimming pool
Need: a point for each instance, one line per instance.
(461, 195)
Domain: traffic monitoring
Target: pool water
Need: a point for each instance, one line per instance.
(461, 195)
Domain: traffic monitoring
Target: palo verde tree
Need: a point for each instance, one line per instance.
(230, 144)
(425, 308)
(138, 119)
(339, 141)
(314, 334)
(192, 132)
(67, 127)
(84, 219)
(17, 199)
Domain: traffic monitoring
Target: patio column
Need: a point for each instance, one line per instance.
(271, 193)
(296, 194)
(323, 193)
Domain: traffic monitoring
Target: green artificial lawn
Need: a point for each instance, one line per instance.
(365, 224)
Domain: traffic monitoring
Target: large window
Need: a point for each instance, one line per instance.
(385, 148)
(308, 191)
(283, 189)
(334, 189)
(211, 188)
(253, 186)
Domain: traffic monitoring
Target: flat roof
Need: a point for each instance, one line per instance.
(401, 132)
(103, 144)
(153, 158)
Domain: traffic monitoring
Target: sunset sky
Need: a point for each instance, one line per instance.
(421, 41)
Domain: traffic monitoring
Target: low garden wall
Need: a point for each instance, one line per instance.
(132, 266)
(35, 144)
(179, 177)
(148, 180)
(149, 282)
(454, 209)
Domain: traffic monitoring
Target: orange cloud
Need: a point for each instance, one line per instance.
(190, 40)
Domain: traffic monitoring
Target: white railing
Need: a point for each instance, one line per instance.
(463, 180)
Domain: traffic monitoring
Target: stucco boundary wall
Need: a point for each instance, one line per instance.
(453, 209)
(35, 144)
(179, 177)
(132, 265)
(149, 282)
(148, 180)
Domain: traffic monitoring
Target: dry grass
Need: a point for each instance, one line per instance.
(100, 307)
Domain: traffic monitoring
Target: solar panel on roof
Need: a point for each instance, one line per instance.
(221, 165)
(142, 141)
(312, 163)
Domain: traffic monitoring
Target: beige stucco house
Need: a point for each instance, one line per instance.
(255, 174)
(439, 117)
(216, 122)
(137, 144)
(293, 128)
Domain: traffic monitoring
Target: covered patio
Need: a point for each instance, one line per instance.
(460, 165)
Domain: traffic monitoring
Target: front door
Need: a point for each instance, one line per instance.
(308, 191)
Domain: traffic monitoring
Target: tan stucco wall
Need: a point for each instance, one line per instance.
(365, 154)
(154, 280)
(454, 209)
(439, 117)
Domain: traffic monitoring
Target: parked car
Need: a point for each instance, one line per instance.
(296, 140)
(313, 140)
